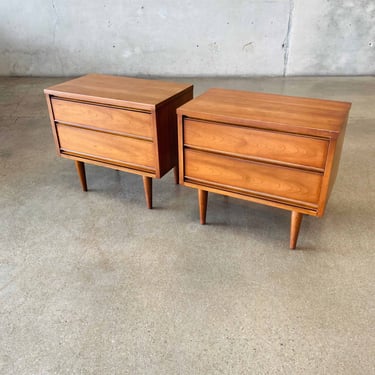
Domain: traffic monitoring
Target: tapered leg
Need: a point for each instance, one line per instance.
(202, 197)
(147, 184)
(175, 171)
(80, 166)
(294, 228)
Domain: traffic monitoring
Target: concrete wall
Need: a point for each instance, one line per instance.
(193, 37)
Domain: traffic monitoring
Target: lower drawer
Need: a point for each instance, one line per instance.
(251, 177)
(108, 147)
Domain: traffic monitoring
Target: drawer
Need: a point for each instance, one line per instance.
(112, 148)
(112, 119)
(250, 142)
(252, 178)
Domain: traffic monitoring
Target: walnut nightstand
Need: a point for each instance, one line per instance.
(271, 149)
(122, 123)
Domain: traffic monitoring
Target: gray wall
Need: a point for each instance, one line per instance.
(201, 37)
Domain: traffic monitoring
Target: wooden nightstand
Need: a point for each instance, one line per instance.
(127, 124)
(271, 149)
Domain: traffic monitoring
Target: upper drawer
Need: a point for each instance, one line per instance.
(115, 119)
(281, 147)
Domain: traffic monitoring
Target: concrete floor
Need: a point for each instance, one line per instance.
(95, 283)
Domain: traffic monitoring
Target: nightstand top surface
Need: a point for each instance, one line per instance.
(279, 112)
(116, 90)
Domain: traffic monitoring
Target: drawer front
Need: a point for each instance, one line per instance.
(108, 147)
(252, 177)
(281, 147)
(115, 119)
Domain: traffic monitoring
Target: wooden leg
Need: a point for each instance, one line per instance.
(147, 184)
(294, 228)
(202, 198)
(175, 171)
(80, 166)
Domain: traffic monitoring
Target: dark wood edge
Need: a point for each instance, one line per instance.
(53, 125)
(180, 137)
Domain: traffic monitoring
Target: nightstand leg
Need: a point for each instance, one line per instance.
(80, 166)
(147, 184)
(176, 172)
(202, 198)
(294, 228)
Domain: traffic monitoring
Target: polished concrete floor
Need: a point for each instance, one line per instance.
(95, 283)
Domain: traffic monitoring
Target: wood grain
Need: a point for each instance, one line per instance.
(268, 111)
(123, 91)
(123, 123)
(255, 143)
(234, 173)
(166, 132)
(102, 117)
(106, 146)
(277, 150)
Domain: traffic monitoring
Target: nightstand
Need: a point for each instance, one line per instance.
(275, 150)
(127, 124)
